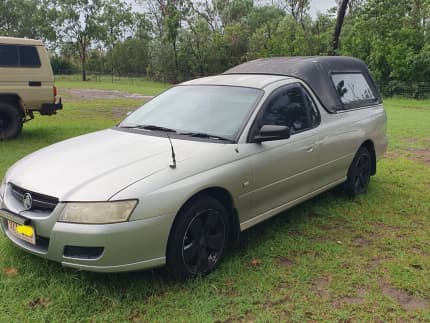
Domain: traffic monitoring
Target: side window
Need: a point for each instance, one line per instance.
(8, 56)
(291, 107)
(352, 88)
(28, 56)
(314, 114)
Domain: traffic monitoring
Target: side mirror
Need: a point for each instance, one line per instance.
(272, 132)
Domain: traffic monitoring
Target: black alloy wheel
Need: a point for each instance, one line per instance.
(359, 173)
(204, 241)
(198, 239)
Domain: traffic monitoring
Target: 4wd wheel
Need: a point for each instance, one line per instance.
(198, 238)
(359, 173)
(10, 121)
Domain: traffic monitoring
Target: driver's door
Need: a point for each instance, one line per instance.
(285, 170)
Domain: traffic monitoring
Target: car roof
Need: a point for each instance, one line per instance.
(315, 71)
(245, 80)
(20, 41)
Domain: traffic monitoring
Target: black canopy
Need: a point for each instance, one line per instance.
(315, 71)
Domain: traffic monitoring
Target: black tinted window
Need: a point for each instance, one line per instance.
(352, 88)
(29, 56)
(291, 107)
(8, 56)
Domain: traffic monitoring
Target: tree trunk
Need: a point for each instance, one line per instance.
(338, 28)
(84, 61)
(175, 52)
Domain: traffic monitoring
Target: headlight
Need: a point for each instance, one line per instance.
(98, 212)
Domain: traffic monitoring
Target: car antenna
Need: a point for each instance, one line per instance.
(173, 164)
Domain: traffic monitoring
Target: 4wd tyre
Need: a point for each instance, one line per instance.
(198, 239)
(359, 173)
(10, 121)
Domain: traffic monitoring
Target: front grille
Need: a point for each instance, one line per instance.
(40, 201)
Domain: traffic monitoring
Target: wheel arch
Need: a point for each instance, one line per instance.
(223, 196)
(368, 144)
(13, 99)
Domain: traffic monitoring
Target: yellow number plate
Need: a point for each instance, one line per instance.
(23, 232)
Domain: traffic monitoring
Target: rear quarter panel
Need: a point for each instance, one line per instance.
(16, 81)
(341, 135)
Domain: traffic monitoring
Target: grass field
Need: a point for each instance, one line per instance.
(329, 259)
(133, 85)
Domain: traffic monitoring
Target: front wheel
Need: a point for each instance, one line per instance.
(10, 121)
(359, 173)
(198, 239)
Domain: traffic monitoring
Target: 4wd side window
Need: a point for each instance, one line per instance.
(19, 56)
(28, 56)
(8, 55)
(291, 107)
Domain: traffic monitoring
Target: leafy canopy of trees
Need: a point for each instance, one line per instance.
(175, 40)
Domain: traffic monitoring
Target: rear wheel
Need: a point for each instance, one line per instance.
(359, 173)
(10, 121)
(198, 239)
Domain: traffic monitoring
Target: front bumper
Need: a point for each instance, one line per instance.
(124, 246)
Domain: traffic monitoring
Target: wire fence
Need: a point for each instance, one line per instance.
(416, 90)
(102, 77)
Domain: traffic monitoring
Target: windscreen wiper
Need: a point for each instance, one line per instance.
(149, 127)
(205, 135)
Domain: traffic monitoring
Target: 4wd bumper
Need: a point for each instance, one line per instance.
(51, 108)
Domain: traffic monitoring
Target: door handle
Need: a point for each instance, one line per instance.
(310, 149)
(34, 83)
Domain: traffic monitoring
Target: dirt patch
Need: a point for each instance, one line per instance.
(360, 242)
(386, 227)
(421, 155)
(418, 250)
(358, 299)
(393, 154)
(376, 261)
(280, 301)
(93, 94)
(285, 262)
(321, 286)
(407, 302)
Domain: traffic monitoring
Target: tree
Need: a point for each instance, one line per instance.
(297, 8)
(338, 28)
(81, 24)
(27, 18)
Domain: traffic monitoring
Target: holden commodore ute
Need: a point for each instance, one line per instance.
(182, 176)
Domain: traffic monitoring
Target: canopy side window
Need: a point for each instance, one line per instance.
(353, 89)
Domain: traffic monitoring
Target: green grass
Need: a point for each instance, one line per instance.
(329, 259)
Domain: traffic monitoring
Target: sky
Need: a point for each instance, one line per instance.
(316, 6)
(321, 6)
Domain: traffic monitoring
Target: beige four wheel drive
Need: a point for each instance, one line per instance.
(26, 84)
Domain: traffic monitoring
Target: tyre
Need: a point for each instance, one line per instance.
(359, 173)
(10, 121)
(198, 238)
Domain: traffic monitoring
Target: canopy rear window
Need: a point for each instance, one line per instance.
(352, 88)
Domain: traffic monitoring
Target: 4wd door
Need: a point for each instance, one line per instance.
(285, 170)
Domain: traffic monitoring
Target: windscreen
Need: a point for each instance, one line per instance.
(216, 110)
